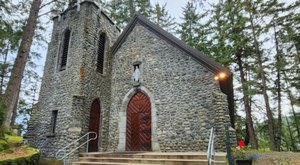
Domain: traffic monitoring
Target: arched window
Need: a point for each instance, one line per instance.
(65, 49)
(101, 50)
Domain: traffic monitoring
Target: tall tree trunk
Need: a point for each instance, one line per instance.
(4, 68)
(290, 133)
(278, 85)
(264, 84)
(295, 119)
(246, 100)
(13, 87)
(292, 106)
(294, 113)
(14, 114)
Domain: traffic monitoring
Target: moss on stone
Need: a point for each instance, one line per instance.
(14, 140)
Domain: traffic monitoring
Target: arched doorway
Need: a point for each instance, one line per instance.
(94, 125)
(138, 124)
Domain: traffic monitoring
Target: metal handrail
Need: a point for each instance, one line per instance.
(211, 146)
(64, 150)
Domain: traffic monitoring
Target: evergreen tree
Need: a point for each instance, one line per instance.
(188, 29)
(278, 14)
(232, 46)
(253, 9)
(11, 94)
(12, 91)
(122, 11)
(272, 9)
(162, 18)
(290, 38)
(144, 7)
(204, 30)
(10, 33)
(242, 51)
(220, 50)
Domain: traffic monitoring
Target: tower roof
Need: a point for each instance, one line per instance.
(72, 6)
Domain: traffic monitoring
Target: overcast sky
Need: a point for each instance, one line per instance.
(174, 7)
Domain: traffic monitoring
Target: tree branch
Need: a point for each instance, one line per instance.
(46, 13)
(47, 4)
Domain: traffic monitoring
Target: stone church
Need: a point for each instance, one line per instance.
(139, 89)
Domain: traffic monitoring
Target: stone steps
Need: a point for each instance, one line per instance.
(148, 158)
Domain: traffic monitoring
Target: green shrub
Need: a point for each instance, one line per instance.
(2, 113)
(8, 151)
(3, 145)
(2, 118)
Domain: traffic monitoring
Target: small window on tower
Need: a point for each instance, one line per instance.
(65, 50)
(53, 122)
(101, 51)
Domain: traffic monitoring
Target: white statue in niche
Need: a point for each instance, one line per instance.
(136, 74)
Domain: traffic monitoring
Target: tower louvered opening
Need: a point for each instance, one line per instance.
(64, 56)
(101, 49)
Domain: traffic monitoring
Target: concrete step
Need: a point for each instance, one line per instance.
(113, 163)
(107, 163)
(148, 158)
(145, 161)
(156, 155)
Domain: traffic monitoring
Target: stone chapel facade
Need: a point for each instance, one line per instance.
(89, 85)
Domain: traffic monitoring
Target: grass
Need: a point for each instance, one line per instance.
(267, 157)
(50, 162)
(278, 158)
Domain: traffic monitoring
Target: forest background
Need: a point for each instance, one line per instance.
(259, 40)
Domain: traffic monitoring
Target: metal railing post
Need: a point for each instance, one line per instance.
(65, 156)
(210, 148)
(87, 144)
(228, 148)
(73, 149)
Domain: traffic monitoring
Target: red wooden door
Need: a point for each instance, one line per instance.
(138, 125)
(94, 125)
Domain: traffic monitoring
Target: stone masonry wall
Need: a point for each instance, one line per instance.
(94, 84)
(181, 87)
(73, 90)
(222, 120)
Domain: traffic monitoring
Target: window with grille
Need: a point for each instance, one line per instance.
(65, 50)
(101, 50)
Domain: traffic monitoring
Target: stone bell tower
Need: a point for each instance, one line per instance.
(75, 90)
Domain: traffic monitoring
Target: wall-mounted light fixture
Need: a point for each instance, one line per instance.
(220, 76)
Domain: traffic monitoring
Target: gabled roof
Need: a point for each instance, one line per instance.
(197, 55)
(225, 84)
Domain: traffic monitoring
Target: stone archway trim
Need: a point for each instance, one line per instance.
(122, 119)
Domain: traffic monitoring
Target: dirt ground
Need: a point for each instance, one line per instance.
(278, 158)
(17, 152)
